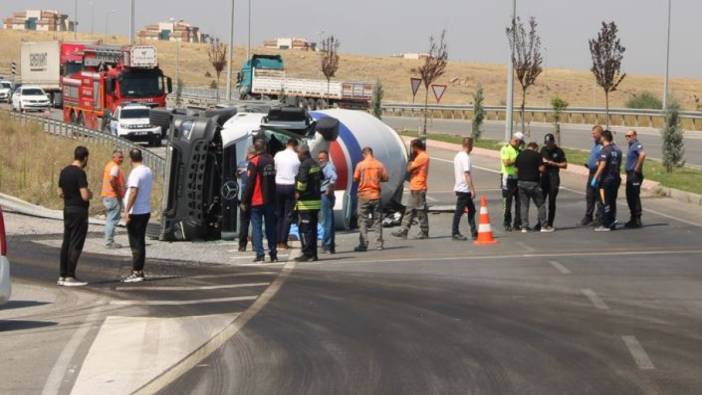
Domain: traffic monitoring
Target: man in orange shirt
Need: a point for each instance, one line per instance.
(418, 170)
(112, 194)
(368, 175)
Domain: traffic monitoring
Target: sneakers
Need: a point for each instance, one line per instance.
(242, 249)
(459, 237)
(113, 246)
(421, 237)
(400, 234)
(135, 277)
(379, 247)
(361, 249)
(633, 224)
(73, 282)
(525, 230)
(507, 227)
(602, 229)
(585, 221)
(547, 229)
(60, 281)
(274, 258)
(306, 258)
(261, 258)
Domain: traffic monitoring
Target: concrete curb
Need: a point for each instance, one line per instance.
(19, 206)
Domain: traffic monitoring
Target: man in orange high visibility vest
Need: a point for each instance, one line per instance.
(112, 195)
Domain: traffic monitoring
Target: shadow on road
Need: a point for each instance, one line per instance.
(7, 326)
(20, 304)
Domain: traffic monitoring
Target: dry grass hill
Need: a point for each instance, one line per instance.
(575, 86)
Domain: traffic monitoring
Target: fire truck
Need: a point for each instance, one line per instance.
(110, 77)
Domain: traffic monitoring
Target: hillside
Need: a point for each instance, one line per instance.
(575, 86)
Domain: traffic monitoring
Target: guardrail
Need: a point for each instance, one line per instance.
(60, 128)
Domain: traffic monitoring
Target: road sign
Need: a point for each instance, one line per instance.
(416, 83)
(438, 91)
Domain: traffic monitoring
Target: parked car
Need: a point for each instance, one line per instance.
(132, 122)
(30, 98)
(5, 285)
(5, 91)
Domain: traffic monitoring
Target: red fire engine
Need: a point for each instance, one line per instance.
(110, 77)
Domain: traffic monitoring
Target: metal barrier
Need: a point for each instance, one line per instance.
(60, 128)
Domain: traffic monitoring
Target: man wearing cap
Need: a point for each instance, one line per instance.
(591, 198)
(634, 177)
(554, 160)
(508, 181)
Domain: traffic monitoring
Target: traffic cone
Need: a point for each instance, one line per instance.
(484, 230)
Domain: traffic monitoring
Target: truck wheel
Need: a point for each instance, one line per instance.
(72, 118)
(79, 119)
(322, 104)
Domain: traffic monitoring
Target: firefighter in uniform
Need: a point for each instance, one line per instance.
(308, 202)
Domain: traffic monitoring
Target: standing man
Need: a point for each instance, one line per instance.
(368, 175)
(308, 186)
(606, 181)
(591, 198)
(530, 166)
(554, 160)
(465, 191)
(73, 189)
(418, 170)
(326, 216)
(508, 180)
(259, 198)
(138, 212)
(112, 196)
(287, 164)
(634, 177)
(244, 216)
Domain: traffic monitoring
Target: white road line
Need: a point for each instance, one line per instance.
(60, 370)
(638, 353)
(179, 302)
(216, 342)
(560, 267)
(595, 299)
(210, 276)
(192, 288)
(525, 246)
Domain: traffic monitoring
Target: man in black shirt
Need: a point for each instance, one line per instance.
(73, 189)
(554, 160)
(529, 167)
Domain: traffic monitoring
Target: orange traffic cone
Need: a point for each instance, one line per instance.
(484, 229)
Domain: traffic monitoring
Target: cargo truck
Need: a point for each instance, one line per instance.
(264, 77)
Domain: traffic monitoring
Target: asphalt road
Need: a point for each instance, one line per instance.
(573, 136)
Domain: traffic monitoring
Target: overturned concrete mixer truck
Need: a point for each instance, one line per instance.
(202, 191)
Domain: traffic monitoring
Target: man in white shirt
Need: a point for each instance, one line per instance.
(287, 163)
(137, 212)
(465, 191)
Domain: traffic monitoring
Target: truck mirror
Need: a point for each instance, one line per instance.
(238, 76)
(110, 86)
(169, 84)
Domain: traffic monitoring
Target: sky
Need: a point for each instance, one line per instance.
(475, 28)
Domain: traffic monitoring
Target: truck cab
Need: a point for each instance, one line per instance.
(260, 62)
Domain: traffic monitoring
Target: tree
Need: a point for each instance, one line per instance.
(558, 105)
(217, 53)
(478, 112)
(330, 58)
(378, 94)
(179, 92)
(645, 100)
(526, 58)
(434, 67)
(607, 54)
(672, 136)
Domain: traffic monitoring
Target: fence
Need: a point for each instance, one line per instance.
(60, 128)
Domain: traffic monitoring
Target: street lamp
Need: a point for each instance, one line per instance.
(92, 17)
(107, 21)
(509, 113)
(248, 47)
(75, 19)
(131, 22)
(667, 60)
(177, 75)
(231, 56)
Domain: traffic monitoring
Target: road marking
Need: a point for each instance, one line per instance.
(560, 267)
(638, 353)
(210, 276)
(525, 246)
(216, 342)
(192, 288)
(474, 166)
(595, 299)
(179, 302)
(60, 370)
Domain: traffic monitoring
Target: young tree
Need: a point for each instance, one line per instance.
(478, 112)
(558, 105)
(330, 58)
(607, 55)
(179, 92)
(378, 94)
(672, 136)
(217, 53)
(434, 67)
(527, 58)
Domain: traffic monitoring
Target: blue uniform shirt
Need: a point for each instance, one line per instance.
(329, 176)
(632, 156)
(612, 156)
(242, 174)
(594, 157)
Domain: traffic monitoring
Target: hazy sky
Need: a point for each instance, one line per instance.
(475, 27)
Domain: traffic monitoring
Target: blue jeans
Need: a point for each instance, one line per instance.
(326, 219)
(259, 215)
(113, 211)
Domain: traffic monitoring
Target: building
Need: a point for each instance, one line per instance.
(290, 43)
(39, 20)
(174, 31)
(411, 56)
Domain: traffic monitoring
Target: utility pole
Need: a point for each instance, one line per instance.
(92, 17)
(75, 19)
(174, 21)
(231, 56)
(107, 21)
(509, 111)
(248, 47)
(667, 60)
(132, 16)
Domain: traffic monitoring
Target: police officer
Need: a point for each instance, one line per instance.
(591, 198)
(634, 177)
(308, 202)
(508, 181)
(554, 160)
(606, 181)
